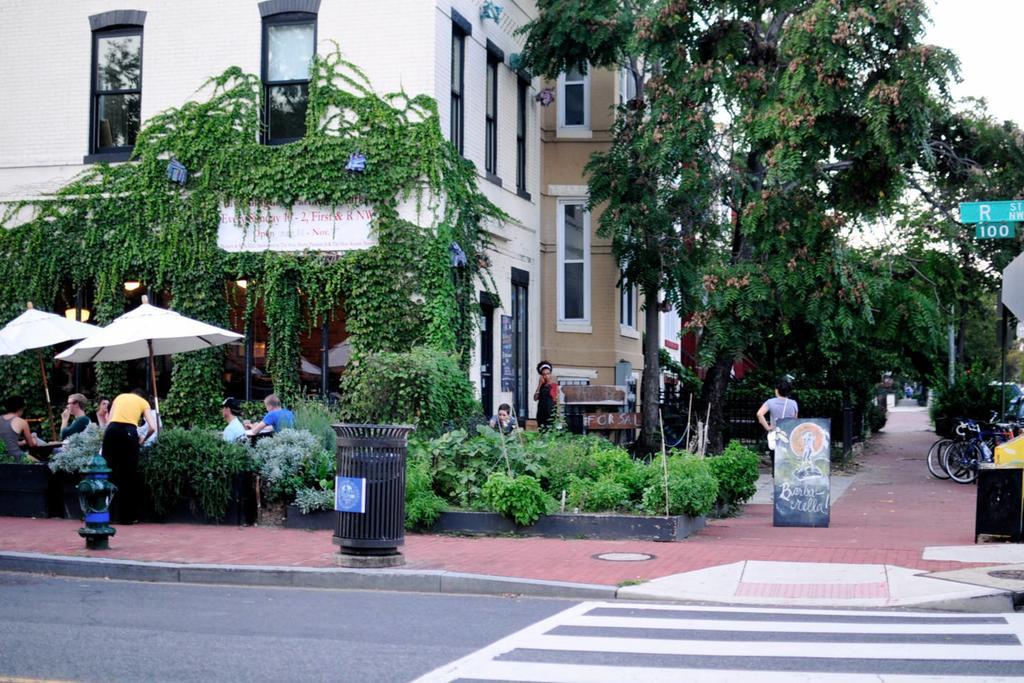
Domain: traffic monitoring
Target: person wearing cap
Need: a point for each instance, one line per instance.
(231, 410)
(546, 395)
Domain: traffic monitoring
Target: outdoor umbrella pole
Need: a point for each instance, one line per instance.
(152, 378)
(46, 389)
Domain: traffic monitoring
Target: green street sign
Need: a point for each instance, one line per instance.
(989, 231)
(992, 212)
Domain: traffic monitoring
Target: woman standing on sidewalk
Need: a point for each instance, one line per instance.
(121, 444)
(778, 408)
(546, 396)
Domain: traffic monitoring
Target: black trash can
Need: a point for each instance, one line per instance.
(371, 471)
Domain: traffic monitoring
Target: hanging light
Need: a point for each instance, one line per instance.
(131, 285)
(70, 314)
(242, 284)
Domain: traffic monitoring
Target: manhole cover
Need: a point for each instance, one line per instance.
(1011, 574)
(624, 557)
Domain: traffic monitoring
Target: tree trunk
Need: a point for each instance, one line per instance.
(716, 382)
(650, 385)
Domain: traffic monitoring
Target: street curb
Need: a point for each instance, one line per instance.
(403, 580)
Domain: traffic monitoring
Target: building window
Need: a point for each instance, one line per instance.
(574, 96)
(289, 44)
(117, 89)
(457, 104)
(491, 116)
(573, 262)
(627, 86)
(521, 101)
(520, 309)
(627, 305)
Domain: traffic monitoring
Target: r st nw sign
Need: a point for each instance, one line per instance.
(992, 212)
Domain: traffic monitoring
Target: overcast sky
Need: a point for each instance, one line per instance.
(984, 34)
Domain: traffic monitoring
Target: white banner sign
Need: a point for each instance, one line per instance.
(306, 228)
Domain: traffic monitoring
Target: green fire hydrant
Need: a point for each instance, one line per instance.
(94, 493)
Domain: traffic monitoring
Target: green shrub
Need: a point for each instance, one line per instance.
(318, 419)
(736, 472)
(461, 463)
(78, 451)
(601, 495)
(692, 488)
(424, 387)
(192, 463)
(422, 505)
(310, 499)
(970, 396)
(585, 457)
(521, 498)
(877, 417)
(290, 460)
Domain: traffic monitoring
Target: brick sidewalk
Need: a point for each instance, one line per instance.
(891, 512)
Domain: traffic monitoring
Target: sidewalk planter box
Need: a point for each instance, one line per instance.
(24, 490)
(241, 510)
(607, 526)
(317, 521)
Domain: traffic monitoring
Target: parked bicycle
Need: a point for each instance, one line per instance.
(975, 445)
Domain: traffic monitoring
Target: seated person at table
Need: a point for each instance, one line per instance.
(103, 412)
(149, 437)
(14, 432)
(277, 418)
(230, 410)
(73, 420)
(503, 422)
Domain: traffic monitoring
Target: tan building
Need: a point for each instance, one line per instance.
(589, 323)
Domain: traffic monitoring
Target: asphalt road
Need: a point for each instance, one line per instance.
(96, 630)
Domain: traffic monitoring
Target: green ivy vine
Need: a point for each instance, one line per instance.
(127, 221)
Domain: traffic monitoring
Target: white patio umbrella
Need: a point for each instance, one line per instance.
(148, 331)
(35, 329)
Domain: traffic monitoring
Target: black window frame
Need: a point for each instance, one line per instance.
(457, 113)
(520, 310)
(491, 117)
(280, 19)
(113, 152)
(522, 125)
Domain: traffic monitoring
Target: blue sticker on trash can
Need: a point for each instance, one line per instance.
(350, 494)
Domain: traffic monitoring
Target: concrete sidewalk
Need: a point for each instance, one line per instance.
(898, 538)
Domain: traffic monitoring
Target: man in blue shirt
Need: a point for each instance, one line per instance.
(277, 418)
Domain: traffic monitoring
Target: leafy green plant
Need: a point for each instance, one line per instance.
(310, 499)
(605, 494)
(193, 464)
(317, 418)
(424, 387)
(422, 505)
(972, 395)
(736, 472)
(692, 488)
(77, 451)
(292, 459)
(520, 498)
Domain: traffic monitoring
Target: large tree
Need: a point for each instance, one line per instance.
(798, 116)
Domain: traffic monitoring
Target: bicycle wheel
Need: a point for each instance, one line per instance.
(935, 456)
(962, 462)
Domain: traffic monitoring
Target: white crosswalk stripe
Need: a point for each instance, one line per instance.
(650, 643)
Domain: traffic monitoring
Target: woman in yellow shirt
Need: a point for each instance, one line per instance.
(121, 443)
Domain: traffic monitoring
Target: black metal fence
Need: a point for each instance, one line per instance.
(740, 414)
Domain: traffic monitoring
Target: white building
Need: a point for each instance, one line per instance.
(88, 72)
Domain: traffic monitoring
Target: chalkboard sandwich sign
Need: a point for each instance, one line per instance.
(802, 484)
